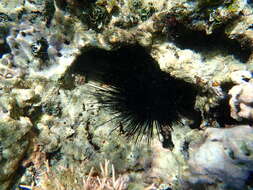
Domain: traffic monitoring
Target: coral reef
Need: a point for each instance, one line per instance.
(52, 56)
(225, 155)
(241, 96)
(14, 144)
(65, 179)
(37, 53)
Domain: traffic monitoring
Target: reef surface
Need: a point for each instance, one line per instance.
(58, 57)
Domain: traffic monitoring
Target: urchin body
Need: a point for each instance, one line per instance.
(139, 96)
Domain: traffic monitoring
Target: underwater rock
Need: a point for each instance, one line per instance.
(223, 160)
(241, 29)
(241, 96)
(201, 42)
(11, 7)
(35, 52)
(14, 142)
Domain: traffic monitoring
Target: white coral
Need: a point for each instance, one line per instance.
(241, 100)
(217, 158)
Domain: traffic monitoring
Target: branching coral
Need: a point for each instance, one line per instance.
(67, 179)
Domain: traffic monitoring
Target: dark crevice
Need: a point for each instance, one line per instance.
(90, 138)
(250, 2)
(137, 90)
(4, 47)
(199, 41)
(20, 171)
(54, 156)
(249, 181)
(221, 112)
(4, 32)
(49, 11)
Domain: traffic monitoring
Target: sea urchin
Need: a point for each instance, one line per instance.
(139, 95)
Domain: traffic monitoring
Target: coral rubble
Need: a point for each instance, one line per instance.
(49, 112)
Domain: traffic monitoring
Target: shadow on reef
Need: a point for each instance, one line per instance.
(199, 41)
(4, 47)
(137, 93)
(221, 112)
(249, 181)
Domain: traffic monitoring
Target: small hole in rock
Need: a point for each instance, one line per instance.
(23, 34)
(221, 112)
(67, 42)
(4, 48)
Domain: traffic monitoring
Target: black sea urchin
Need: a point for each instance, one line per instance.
(139, 95)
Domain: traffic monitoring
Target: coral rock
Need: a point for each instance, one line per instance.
(241, 96)
(224, 155)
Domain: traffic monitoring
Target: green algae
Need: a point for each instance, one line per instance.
(137, 7)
